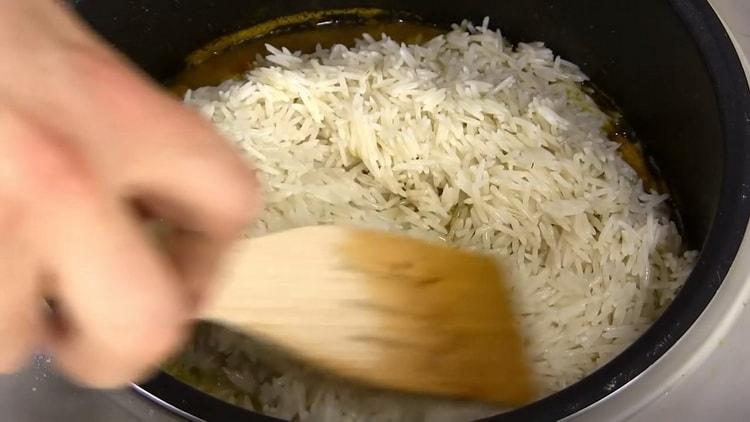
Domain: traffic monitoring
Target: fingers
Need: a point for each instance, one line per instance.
(205, 188)
(223, 198)
(196, 258)
(123, 309)
(151, 150)
(207, 203)
(19, 302)
(206, 192)
(20, 293)
(169, 160)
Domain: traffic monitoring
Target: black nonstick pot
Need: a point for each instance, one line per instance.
(669, 64)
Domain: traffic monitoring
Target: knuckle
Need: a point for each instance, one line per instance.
(228, 183)
(13, 130)
(58, 171)
(155, 335)
(12, 359)
(40, 162)
(241, 201)
(95, 65)
(153, 345)
(138, 332)
(110, 82)
(15, 349)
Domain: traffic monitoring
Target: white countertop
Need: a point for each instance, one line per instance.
(719, 390)
(736, 13)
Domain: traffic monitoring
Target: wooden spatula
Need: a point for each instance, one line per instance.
(382, 309)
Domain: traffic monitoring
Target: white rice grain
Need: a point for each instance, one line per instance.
(468, 140)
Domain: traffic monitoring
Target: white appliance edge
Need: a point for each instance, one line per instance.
(694, 348)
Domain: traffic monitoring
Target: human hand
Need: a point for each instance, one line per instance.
(87, 145)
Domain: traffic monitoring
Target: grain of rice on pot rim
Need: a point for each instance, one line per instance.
(465, 138)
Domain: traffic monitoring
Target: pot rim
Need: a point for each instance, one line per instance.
(717, 256)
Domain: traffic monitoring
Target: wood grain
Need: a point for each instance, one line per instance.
(381, 309)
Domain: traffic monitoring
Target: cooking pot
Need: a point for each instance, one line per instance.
(670, 65)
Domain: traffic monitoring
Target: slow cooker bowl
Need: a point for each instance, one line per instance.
(670, 65)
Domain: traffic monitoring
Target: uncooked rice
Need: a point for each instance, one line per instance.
(468, 139)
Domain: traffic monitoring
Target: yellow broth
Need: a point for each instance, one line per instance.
(219, 66)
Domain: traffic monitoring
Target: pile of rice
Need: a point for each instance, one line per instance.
(468, 139)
